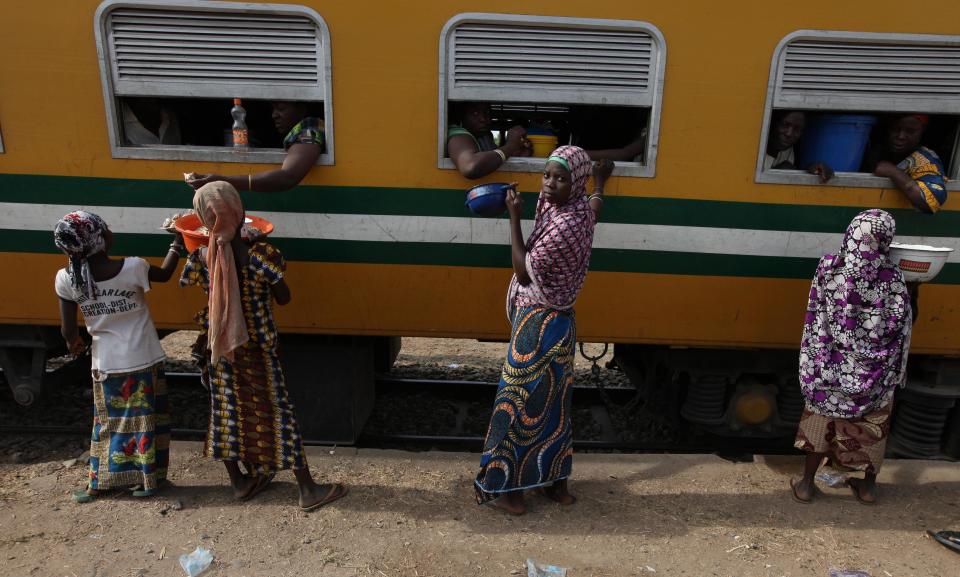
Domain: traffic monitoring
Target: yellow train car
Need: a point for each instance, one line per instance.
(699, 247)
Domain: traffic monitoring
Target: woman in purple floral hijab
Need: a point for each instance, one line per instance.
(853, 355)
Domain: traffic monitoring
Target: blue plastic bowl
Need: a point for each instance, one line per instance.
(488, 199)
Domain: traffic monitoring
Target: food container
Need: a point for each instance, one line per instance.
(543, 144)
(188, 224)
(488, 199)
(919, 263)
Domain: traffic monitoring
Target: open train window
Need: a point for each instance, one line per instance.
(175, 67)
(843, 90)
(590, 82)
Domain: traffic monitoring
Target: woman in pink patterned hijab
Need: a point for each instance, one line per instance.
(529, 440)
(558, 250)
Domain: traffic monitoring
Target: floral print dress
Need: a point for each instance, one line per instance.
(853, 354)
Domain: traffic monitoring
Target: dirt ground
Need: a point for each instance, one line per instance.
(413, 515)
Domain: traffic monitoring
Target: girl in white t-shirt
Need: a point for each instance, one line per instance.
(131, 427)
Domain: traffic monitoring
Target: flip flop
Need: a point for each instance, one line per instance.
(80, 496)
(949, 539)
(337, 491)
(139, 492)
(852, 483)
(261, 484)
(796, 497)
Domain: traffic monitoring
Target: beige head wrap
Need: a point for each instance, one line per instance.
(220, 209)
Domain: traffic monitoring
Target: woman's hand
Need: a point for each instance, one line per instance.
(885, 168)
(78, 346)
(602, 169)
(514, 201)
(822, 170)
(199, 180)
(517, 143)
(170, 224)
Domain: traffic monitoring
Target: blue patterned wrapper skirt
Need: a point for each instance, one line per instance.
(130, 444)
(529, 441)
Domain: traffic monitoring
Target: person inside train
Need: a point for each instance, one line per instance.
(131, 425)
(529, 439)
(252, 419)
(470, 143)
(303, 143)
(609, 132)
(786, 129)
(148, 121)
(853, 356)
(914, 169)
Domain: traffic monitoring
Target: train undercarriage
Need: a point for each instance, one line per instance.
(745, 395)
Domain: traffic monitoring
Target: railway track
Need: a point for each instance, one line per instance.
(470, 401)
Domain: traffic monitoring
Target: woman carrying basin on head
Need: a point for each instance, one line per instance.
(251, 417)
(529, 440)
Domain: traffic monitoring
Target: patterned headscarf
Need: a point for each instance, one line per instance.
(558, 249)
(79, 235)
(220, 209)
(856, 333)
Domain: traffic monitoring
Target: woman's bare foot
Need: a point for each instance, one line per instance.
(559, 493)
(511, 503)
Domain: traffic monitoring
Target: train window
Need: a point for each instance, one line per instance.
(842, 89)
(1, 144)
(180, 63)
(591, 82)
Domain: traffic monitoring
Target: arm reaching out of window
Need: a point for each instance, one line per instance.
(473, 163)
(602, 169)
(298, 162)
(906, 184)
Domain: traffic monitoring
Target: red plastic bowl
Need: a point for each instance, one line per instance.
(187, 225)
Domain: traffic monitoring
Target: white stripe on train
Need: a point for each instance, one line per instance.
(466, 230)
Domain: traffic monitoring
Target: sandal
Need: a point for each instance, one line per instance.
(259, 486)
(854, 487)
(337, 491)
(949, 539)
(81, 496)
(796, 497)
(139, 492)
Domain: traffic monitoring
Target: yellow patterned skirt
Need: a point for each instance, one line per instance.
(251, 417)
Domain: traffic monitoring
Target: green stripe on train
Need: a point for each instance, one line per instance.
(475, 255)
(449, 202)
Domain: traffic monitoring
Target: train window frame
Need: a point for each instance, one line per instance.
(262, 91)
(879, 105)
(657, 70)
